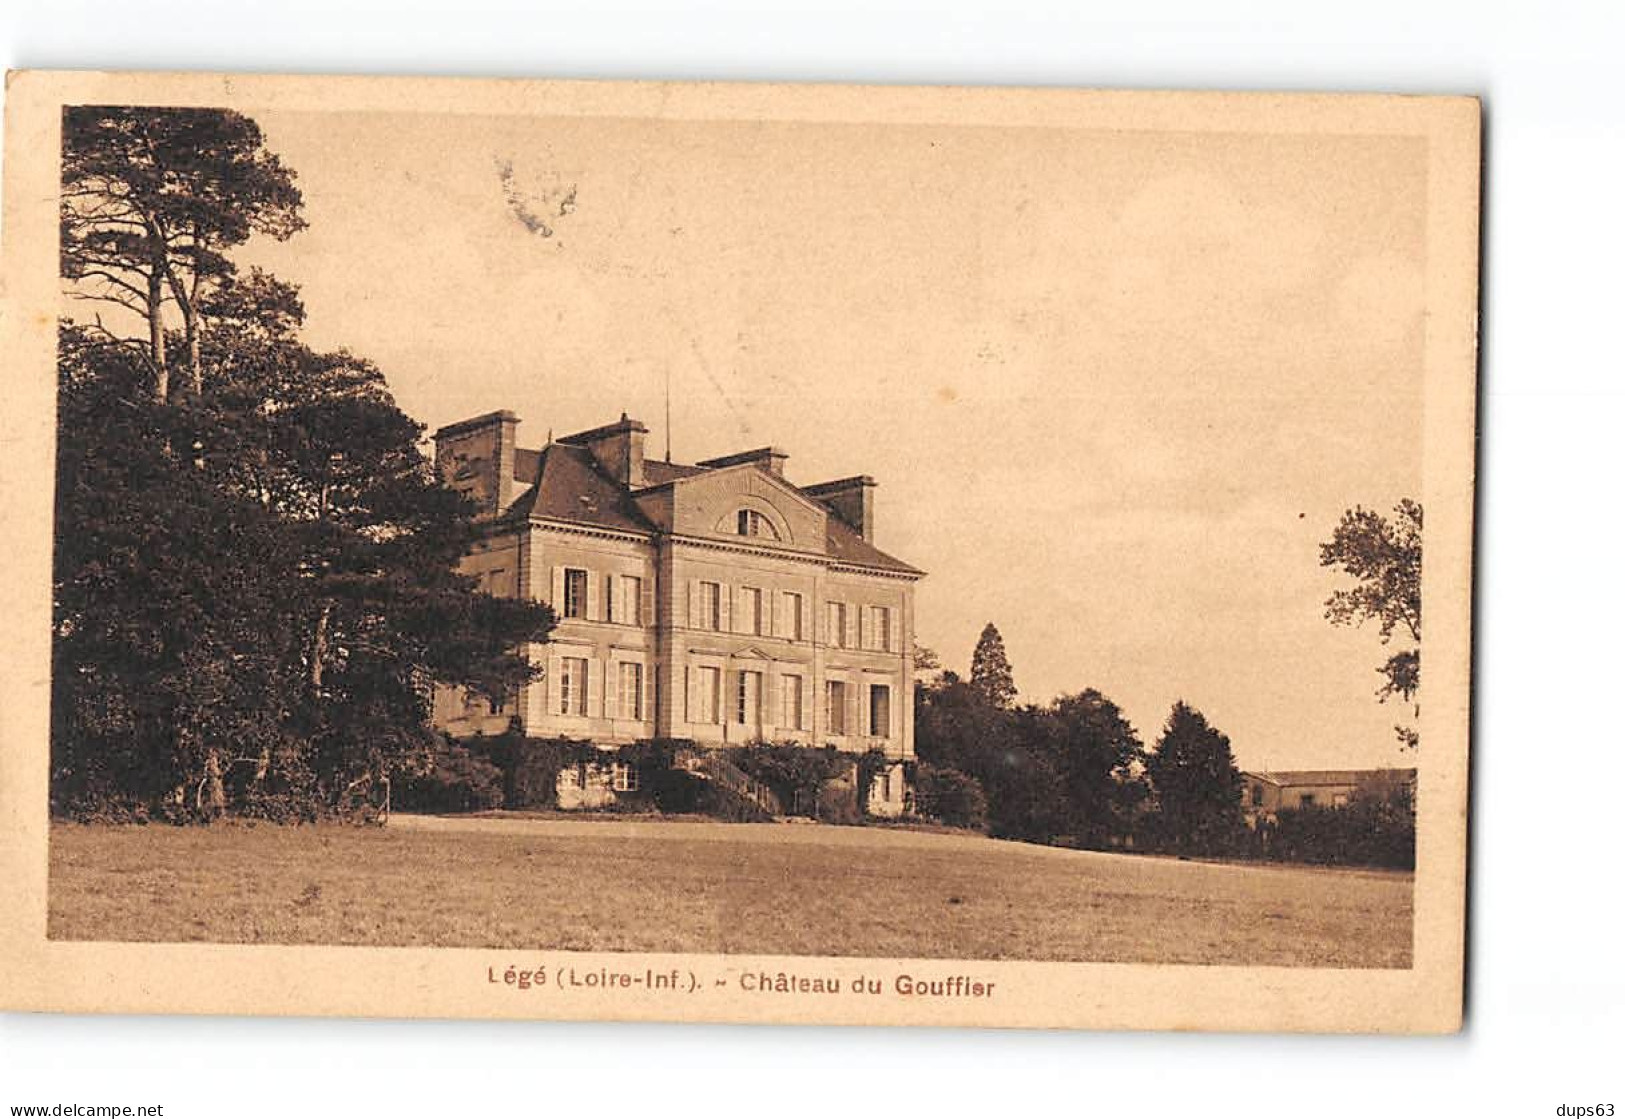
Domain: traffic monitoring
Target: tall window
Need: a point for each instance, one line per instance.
(835, 706)
(709, 685)
(748, 699)
(790, 615)
(836, 623)
(880, 710)
(631, 690)
(750, 601)
(793, 713)
(880, 628)
(711, 605)
(575, 592)
(626, 600)
(573, 686)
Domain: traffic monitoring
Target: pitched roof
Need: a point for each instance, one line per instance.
(846, 545)
(657, 472)
(1287, 777)
(566, 483)
(571, 486)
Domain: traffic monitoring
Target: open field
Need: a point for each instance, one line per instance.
(665, 886)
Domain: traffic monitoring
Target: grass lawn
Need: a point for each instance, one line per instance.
(668, 886)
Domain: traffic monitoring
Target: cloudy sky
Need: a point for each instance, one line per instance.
(1115, 386)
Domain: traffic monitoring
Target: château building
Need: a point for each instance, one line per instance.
(715, 602)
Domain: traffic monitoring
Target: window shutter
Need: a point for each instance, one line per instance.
(765, 599)
(595, 594)
(691, 690)
(866, 626)
(854, 705)
(769, 700)
(726, 594)
(612, 690)
(555, 683)
(851, 627)
(807, 617)
(614, 611)
(557, 601)
(695, 616)
(896, 641)
(646, 592)
(592, 686)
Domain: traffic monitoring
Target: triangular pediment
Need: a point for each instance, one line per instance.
(708, 505)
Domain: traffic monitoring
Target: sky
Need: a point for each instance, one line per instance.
(1115, 386)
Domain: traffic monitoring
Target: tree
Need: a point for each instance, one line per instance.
(990, 669)
(1197, 786)
(152, 198)
(256, 587)
(1097, 753)
(1385, 559)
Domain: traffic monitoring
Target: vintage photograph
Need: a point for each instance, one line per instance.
(750, 535)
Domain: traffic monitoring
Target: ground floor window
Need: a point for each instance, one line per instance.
(880, 710)
(707, 687)
(793, 703)
(631, 690)
(748, 699)
(835, 706)
(573, 686)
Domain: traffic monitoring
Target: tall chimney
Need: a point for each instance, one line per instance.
(851, 499)
(618, 447)
(476, 458)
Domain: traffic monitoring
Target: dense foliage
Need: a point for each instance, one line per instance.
(255, 585)
(1384, 558)
(1195, 785)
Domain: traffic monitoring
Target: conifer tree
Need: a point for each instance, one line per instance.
(990, 672)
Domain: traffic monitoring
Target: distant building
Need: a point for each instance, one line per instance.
(1265, 794)
(716, 602)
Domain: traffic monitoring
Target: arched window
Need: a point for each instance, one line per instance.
(752, 523)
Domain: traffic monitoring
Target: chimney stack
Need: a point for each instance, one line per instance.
(770, 459)
(476, 458)
(851, 499)
(618, 447)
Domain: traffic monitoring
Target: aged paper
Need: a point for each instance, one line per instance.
(783, 398)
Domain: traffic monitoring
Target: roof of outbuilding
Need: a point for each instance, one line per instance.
(1286, 777)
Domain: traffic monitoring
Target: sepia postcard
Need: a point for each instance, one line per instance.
(737, 553)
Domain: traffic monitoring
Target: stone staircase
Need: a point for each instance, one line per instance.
(710, 765)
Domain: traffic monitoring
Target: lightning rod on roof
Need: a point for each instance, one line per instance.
(668, 413)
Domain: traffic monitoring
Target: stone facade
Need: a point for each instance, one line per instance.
(715, 602)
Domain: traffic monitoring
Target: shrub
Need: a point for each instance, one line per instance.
(1376, 828)
(798, 774)
(949, 797)
(459, 780)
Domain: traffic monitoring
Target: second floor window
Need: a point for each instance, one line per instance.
(750, 605)
(790, 616)
(711, 605)
(835, 625)
(626, 600)
(880, 628)
(575, 592)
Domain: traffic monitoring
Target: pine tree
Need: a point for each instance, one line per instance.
(990, 669)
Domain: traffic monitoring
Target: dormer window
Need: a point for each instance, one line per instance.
(752, 523)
